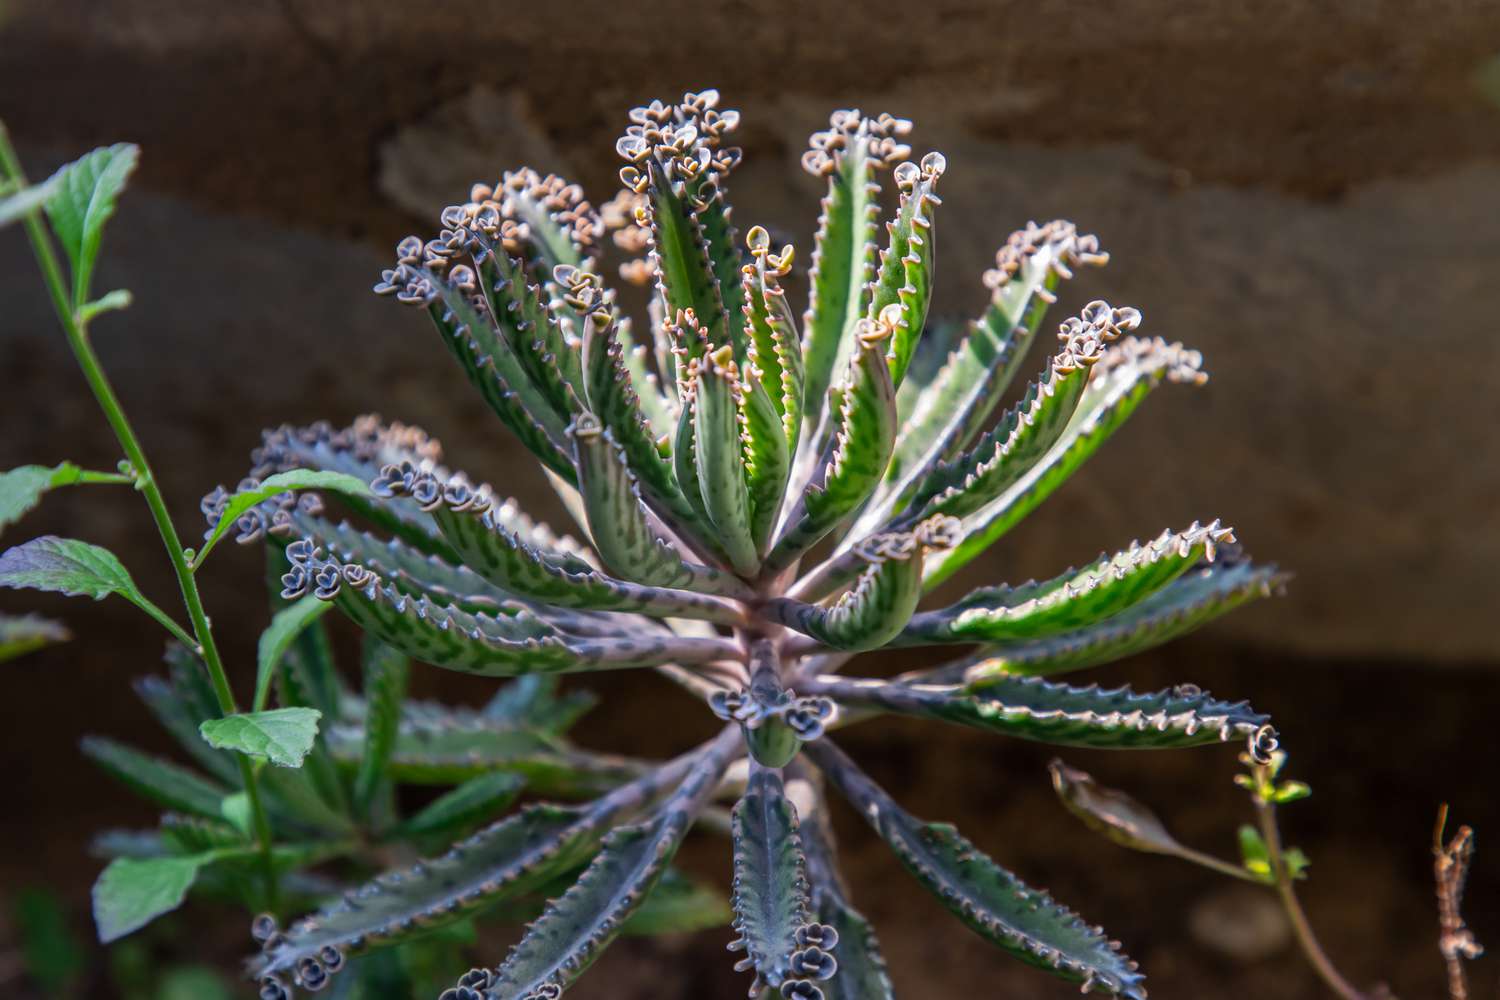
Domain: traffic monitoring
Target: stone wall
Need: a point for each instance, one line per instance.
(1313, 201)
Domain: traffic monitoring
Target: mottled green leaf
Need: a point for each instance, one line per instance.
(720, 456)
(161, 781)
(475, 801)
(904, 278)
(770, 897)
(1126, 375)
(995, 904)
(1075, 599)
(576, 927)
(385, 677)
(1035, 709)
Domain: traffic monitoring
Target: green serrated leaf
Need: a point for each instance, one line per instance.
(22, 634)
(284, 736)
(159, 780)
(995, 904)
(1128, 372)
(504, 861)
(1036, 709)
(904, 278)
(1192, 600)
(286, 625)
(83, 201)
(575, 928)
(770, 897)
(385, 677)
(131, 893)
(273, 486)
(861, 966)
(1075, 599)
(472, 802)
(719, 452)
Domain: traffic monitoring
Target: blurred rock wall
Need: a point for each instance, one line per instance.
(1312, 198)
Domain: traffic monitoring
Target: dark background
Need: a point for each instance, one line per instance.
(1308, 193)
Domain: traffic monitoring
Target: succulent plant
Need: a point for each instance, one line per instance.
(757, 500)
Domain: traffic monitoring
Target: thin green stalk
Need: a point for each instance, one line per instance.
(145, 480)
(1265, 815)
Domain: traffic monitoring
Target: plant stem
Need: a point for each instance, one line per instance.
(1265, 815)
(114, 414)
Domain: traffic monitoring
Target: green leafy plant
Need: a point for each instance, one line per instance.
(757, 499)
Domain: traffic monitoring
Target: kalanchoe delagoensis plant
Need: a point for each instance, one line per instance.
(758, 498)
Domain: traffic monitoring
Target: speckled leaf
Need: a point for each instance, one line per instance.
(770, 898)
(474, 801)
(904, 278)
(1126, 375)
(995, 904)
(1007, 452)
(1075, 599)
(510, 858)
(500, 377)
(719, 452)
(882, 601)
(504, 646)
(625, 540)
(488, 548)
(861, 973)
(272, 486)
(529, 329)
(386, 672)
(843, 262)
(1035, 709)
(859, 452)
(1192, 600)
(574, 929)
(613, 396)
(159, 780)
(767, 462)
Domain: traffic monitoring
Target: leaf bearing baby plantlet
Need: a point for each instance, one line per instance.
(758, 498)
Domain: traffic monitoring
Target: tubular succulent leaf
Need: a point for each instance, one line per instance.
(706, 452)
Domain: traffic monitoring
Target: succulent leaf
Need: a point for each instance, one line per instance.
(770, 897)
(1077, 598)
(881, 603)
(1126, 375)
(995, 904)
(573, 929)
(385, 678)
(775, 348)
(719, 452)
(475, 526)
(858, 453)
(1195, 598)
(848, 153)
(626, 541)
(511, 857)
(161, 781)
(1035, 709)
(862, 972)
(941, 415)
(904, 278)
